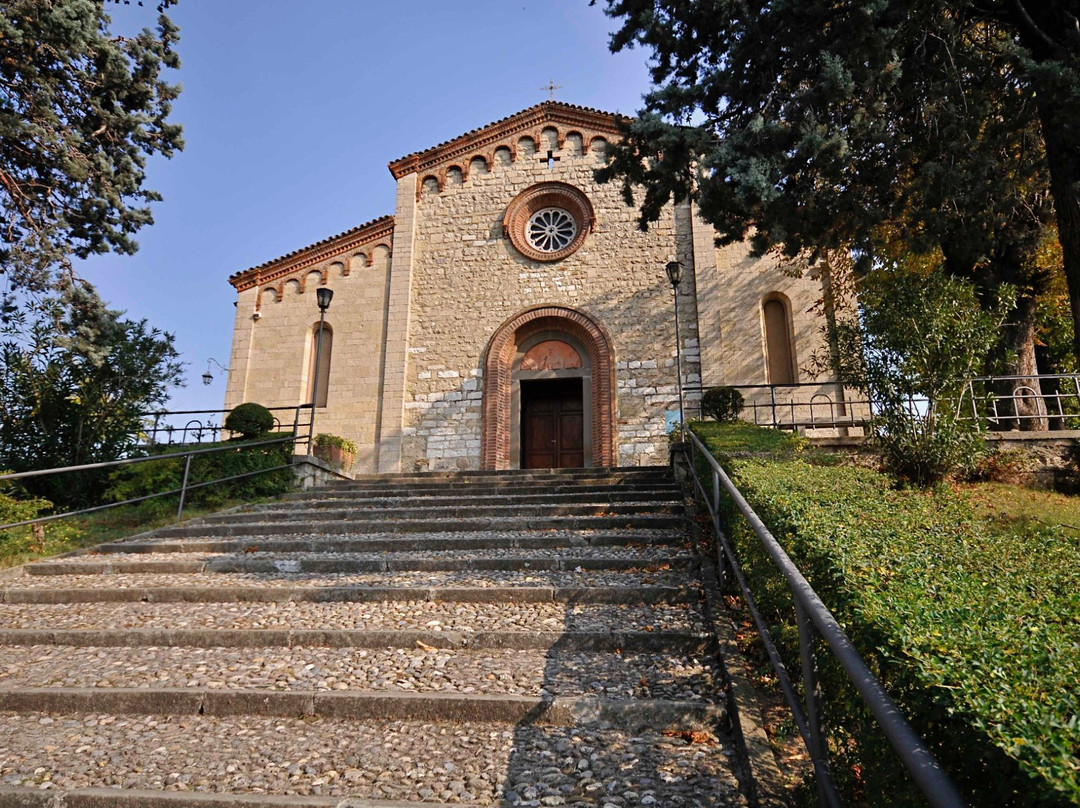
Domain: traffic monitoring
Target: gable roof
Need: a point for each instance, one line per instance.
(377, 230)
(526, 121)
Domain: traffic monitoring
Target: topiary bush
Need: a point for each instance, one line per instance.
(250, 420)
(722, 404)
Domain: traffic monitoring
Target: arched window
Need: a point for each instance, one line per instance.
(323, 353)
(779, 352)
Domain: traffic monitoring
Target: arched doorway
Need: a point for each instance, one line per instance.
(549, 384)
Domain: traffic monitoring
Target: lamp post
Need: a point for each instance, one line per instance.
(207, 377)
(323, 296)
(674, 274)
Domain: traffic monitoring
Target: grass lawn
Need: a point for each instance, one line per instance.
(1011, 508)
(20, 546)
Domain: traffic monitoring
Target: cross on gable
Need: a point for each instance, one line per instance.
(551, 88)
(550, 160)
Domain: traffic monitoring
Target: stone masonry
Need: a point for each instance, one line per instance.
(419, 296)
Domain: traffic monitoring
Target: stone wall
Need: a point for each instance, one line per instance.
(409, 335)
(467, 280)
(272, 351)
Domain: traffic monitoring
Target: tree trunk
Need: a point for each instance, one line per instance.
(1063, 161)
(1021, 402)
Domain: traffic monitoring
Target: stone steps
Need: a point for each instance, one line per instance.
(525, 496)
(543, 620)
(487, 642)
(422, 512)
(391, 542)
(269, 563)
(281, 526)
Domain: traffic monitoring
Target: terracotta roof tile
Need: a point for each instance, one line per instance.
(539, 113)
(269, 270)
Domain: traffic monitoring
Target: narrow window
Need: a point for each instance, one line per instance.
(778, 353)
(323, 353)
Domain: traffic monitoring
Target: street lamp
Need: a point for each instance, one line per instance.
(323, 296)
(207, 377)
(674, 274)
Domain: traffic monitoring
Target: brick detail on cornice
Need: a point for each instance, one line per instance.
(378, 232)
(481, 142)
(498, 361)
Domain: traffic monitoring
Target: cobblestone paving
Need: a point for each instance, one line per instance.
(483, 763)
(396, 615)
(529, 672)
(291, 579)
(646, 555)
(630, 653)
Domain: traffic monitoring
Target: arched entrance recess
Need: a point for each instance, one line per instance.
(501, 389)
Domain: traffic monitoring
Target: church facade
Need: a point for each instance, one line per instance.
(511, 314)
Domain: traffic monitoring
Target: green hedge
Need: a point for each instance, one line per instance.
(976, 634)
(157, 476)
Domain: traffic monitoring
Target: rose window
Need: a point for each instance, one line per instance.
(551, 229)
(548, 221)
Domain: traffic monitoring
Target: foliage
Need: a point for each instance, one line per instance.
(80, 111)
(1003, 466)
(20, 546)
(722, 403)
(73, 388)
(741, 439)
(974, 631)
(19, 510)
(160, 476)
(808, 126)
(250, 420)
(324, 440)
(921, 336)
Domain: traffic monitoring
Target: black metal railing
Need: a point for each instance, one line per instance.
(188, 427)
(812, 615)
(1043, 401)
(182, 491)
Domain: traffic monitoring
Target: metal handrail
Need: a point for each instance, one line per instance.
(182, 490)
(152, 426)
(808, 405)
(810, 611)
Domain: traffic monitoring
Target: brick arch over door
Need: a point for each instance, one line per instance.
(501, 350)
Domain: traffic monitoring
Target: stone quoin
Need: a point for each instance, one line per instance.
(503, 246)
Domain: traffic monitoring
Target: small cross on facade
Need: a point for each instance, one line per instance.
(551, 88)
(550, 160)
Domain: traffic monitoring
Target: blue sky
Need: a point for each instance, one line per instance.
(291, 111)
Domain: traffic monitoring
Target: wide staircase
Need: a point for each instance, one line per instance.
(487, 639)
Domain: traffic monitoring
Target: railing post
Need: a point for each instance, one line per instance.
(772, 404)
(815, 710)
(183, 487)
(721, 559)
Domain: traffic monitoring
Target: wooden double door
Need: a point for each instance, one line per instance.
(552, 424)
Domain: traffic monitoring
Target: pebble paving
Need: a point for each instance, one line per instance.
(480, 763)
(396, 615)
(487, 578)
(527, 673)
(594, 764)
(646, 555)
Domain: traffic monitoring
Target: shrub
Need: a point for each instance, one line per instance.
(325, 441)
(1003, 466)
(722, 403)
(158, 476)
(250, 420)
(925, 449)
(973, 632)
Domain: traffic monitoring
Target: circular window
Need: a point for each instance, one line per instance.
(551, 229)
(549, 221)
